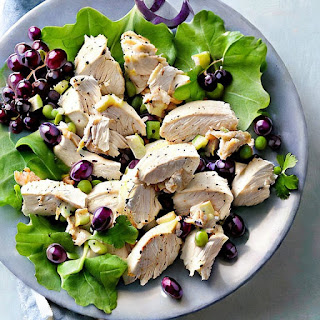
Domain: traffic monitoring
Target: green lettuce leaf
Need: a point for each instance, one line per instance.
(96, 282)
(91, 22)
(41, 160)
(3, 75)
(32, 241)
(122, 232)
(243, 57)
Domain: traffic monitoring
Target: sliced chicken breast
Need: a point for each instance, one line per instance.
(66, 151)
(205, 186)
(201, 259)
(94, 59)
(252, 183)
(187, 121)
(162, 83)
(104, 194)
(172, 164)
(137, 201)
(140, 59)
(44, 196)
(126, 119)
(77, 102)
(154, 252)
(230, 141)
(98, 138)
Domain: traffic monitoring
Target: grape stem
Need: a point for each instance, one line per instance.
(33, 72)
(214, 63)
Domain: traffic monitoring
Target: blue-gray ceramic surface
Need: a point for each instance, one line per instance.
(268, 223)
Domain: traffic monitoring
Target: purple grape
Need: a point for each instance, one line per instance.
(172, 288)
(14, 63)
(234, 226)
(224, 77)
(166, 201)
(207, 81)
(41, 87)
(133, 164)
(21, 48)
(53, 96)
(31, 59)
(125, 158)
(23, 106)
(56, 253)
(11, 110)
(148, 117)
(228, 251)
(211, 166)
(7, 94)
(23, 89)
(54, 76)
(262, 125)
(50, 133)
(81, 170)
(201, 166)
(225, 168)
(14, 79)
(274, 142)
(68, 69)
(34, 33)
(56, 58)
(16, 126)
(102, 219)
(31, 123)
(40, 45)
(185, 229)
(4, 119)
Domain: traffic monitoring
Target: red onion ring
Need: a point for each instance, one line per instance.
(157, 5)
(156, 19)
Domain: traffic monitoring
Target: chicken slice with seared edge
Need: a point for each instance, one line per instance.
(154, 252)
(205, 186)
(174, 165)
(252, 182)
(191, 119)
(98, 138)
(77, 102)
(67, 151)
(162, 83)
(230, 141)
(45, 196)
(140, 59)
(104, 194)
(126, 119)
(137, 201)
(94, 59)
(201, 259)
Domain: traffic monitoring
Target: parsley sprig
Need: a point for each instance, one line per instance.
(285, 183)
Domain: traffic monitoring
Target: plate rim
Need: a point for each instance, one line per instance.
(302, 179)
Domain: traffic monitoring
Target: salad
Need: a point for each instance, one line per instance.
(139, 150)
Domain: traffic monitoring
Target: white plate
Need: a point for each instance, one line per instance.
(268, 223)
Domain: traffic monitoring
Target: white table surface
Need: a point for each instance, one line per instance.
(288, 286)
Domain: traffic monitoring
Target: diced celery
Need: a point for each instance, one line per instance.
(153, 130)
(202, 59)
(98, 247)
(136, 144)
(200, 142)
(61, 86)
(36, 103)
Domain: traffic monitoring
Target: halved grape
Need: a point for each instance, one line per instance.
(228, 251)
(34, 33)
(102, 219)
(172, 288)
(56, 253)
(81, 170)
(50, 133)
(14, 79)
(274, 142)
(55, 59)
(234, 226)
(40, 45)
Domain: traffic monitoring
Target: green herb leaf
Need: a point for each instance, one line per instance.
(91, 22)
(33, 240)
(42, 160)
(96, 283)
(284, 182)
(122, 232)
(3, 75)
